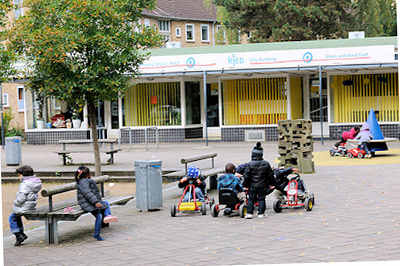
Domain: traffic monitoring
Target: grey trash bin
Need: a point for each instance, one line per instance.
(13, 150)
(148, 185)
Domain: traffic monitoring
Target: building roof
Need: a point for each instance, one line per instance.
(196, 10)
(276, 46)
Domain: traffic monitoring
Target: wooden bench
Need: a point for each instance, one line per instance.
(109, 151)
(211, 173)
(67, 210)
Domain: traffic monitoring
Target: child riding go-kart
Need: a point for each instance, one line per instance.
(339, 151)
(293, 194)
(229, 187)
(194, 197)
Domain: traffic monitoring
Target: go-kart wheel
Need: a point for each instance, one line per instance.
(277, 206)
(203, 209)
(211, 202)
(350, 155)
(173, 210)
(214, 210)
(308, 204)
(360, 156)
(312, 197)
(243, 210)
(332, 153)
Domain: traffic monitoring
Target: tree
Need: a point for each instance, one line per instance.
(283, 20)
(6, 55)
(376, 17)
(83, 51)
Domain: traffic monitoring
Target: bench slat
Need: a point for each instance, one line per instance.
(86, 141)
(198, 158)
(70, 186)
(74, 213)
(86, 151)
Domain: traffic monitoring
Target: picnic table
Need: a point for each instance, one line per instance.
(105, 146)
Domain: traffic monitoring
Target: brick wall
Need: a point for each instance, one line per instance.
(12, 90)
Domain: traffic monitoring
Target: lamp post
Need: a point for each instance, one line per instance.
(398, 42)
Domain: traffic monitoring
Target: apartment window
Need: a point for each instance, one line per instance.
(18, 11)
(178, 32)
(189, 32)
(21, 105)
(163, 25)
(205, 30)
(5, 100)
(221, 32)
(147, 22)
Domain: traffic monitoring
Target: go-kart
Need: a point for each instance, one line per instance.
(229, 203)
(340, 151)
(296, 196)
(356, 153)
(192, 204)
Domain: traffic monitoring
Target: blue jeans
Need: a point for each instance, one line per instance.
(100, 214)
(198, 192)
(256, 194)
(16, 225)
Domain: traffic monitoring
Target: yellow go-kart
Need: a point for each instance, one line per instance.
(193, 205)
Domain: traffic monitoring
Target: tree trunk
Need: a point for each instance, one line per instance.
(93, 127)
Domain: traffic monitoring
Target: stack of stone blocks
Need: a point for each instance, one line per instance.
(295, 144)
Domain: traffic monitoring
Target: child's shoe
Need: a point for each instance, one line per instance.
(98, 237)
(110, 219)
(19, 239)
(261, 215)
(249, 216)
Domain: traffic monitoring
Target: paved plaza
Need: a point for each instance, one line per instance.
(356, 217)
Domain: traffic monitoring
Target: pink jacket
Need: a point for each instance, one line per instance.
(349, 134)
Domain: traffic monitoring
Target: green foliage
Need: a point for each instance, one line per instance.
(283, 20)
(376, 17)
(14, 132)
(6, 56)
(85, 50)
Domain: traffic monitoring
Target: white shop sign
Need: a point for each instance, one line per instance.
(270, 59)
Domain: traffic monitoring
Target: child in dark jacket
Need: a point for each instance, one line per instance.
(89, 199)
(259, 179)
(193, 177)
(25, 200)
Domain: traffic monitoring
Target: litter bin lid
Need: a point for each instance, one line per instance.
(144, 163)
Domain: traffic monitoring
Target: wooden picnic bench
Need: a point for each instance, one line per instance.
(211, 173)
(65, 153)
(67, 210)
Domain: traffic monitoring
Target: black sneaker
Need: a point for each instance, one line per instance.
(20, 238)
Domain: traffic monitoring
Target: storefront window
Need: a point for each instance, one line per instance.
(355, 95)
(192, 95)
(153, 104)
(254, 101)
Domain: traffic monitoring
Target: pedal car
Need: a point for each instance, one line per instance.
(228, 203)
(356, 153)
(192, 204)
(340, 151)
(296, 196)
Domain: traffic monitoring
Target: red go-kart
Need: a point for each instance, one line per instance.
(356, 153)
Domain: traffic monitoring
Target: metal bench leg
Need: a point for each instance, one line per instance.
(112, 158)
(51, 231)
(65, 159)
